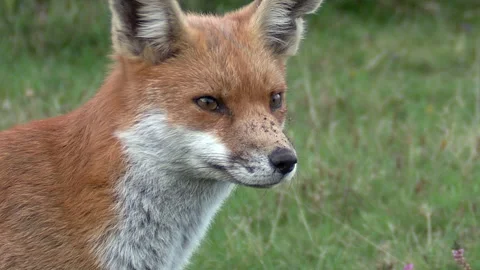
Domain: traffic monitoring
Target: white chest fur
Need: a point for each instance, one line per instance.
(166, 199)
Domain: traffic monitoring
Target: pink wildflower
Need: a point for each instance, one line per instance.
(458, 256)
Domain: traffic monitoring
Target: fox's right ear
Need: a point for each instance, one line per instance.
(281, 24)
(148, 29)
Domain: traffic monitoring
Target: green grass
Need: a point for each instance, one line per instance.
(384, 111)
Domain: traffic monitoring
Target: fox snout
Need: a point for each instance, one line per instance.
(264, 170)
(283, 160)
(262, 157)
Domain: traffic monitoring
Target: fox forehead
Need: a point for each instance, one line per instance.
(226, 60)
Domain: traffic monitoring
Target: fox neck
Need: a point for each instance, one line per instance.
(161, 225)
(164, 209)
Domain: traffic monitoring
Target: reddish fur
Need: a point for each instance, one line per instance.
(57, 175)
(56, 178)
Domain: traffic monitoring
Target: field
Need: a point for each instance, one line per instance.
(384, 112)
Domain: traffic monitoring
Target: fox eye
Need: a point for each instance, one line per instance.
(207, 103)
(276, 101)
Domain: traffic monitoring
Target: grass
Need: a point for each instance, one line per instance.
(384, 111)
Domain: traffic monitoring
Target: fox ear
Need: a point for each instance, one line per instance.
(147, 29)
(280, 22)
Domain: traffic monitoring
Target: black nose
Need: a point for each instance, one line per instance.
(283, 159)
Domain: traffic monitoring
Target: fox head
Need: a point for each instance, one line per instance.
(209, 91)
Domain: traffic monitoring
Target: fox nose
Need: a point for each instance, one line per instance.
(283, 159)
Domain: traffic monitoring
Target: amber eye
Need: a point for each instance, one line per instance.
(276, 101)
(207, 103)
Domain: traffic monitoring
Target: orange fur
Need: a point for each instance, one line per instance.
(56, 184)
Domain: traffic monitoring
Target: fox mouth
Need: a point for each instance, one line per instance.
(261, 186)
(233, 179)
(257, 185)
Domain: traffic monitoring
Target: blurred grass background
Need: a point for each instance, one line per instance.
(384, 111)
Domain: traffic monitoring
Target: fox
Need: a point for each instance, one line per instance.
(193, 106)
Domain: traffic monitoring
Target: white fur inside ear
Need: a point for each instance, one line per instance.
(159, 21)
(282, 24)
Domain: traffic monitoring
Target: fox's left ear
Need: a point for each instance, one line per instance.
(280, 23)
